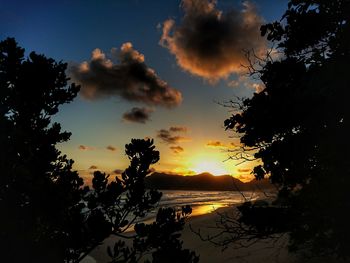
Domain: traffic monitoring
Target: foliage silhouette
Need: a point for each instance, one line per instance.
(37, 186)
(160, 239)
(299, 126)
(112, 207)
(49, 215)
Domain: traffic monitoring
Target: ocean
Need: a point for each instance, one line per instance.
(203, 202)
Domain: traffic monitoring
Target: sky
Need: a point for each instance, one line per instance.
(148, 69)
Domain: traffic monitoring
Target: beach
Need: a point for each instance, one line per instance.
(207, 206)
(262, 251)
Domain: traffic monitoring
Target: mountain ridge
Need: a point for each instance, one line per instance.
(203, 181)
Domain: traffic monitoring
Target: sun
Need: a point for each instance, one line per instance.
(213, 167)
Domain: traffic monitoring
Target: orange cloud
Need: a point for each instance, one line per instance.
(244, 170)
(245, 177)
(93, 167)
(258, 87)
(244, 81)
(215, 144)
(209, 43)
(177, 149)
(179, 171)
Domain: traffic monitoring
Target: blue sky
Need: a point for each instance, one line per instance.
(71, 30)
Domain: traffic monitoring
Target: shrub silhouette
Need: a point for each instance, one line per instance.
(160, 239)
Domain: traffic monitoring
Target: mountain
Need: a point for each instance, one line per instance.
(204, 181)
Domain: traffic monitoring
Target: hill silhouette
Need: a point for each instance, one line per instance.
(203, 181)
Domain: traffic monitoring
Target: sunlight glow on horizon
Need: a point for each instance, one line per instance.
(213, 167)
(195, 160)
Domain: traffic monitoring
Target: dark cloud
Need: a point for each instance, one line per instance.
(215, 144)
(111, 148)
(140, 115)
(118, 171)
(85, 148)
(210, 43)
(178, 129)
(176, 149)
(169, 136)
(130, 79)
(219, 144)
(93, 167)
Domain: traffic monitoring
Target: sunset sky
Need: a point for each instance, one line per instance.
(147, 69)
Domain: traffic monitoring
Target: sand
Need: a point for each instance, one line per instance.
(265, 251)
(259, 252)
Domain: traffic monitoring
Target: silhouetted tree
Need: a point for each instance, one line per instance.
(47, 213)
(159, 239)
(299, 127)
(111, 208)
(37, 185)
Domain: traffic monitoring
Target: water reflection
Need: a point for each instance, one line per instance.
(205, 209)
(201, 202)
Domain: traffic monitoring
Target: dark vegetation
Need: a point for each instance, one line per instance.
(48, 215)
(299, 127)
(204, 182)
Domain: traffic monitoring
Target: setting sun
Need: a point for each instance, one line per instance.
(213, 167)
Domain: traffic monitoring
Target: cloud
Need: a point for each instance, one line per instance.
(219, 144)
(140, 115)
(209, 43)
(215, 144)
(118, 171)
(246, 82)
(111, 148)
(85, 148)
(258, 87)
(244, 170)
(245, 177)
(242, 80)
(176, 149)
(130, 78)
(170, 136)
(180, 171)
(93, 167)
(178, 129)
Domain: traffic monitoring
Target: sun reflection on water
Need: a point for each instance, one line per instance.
(205, 209)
